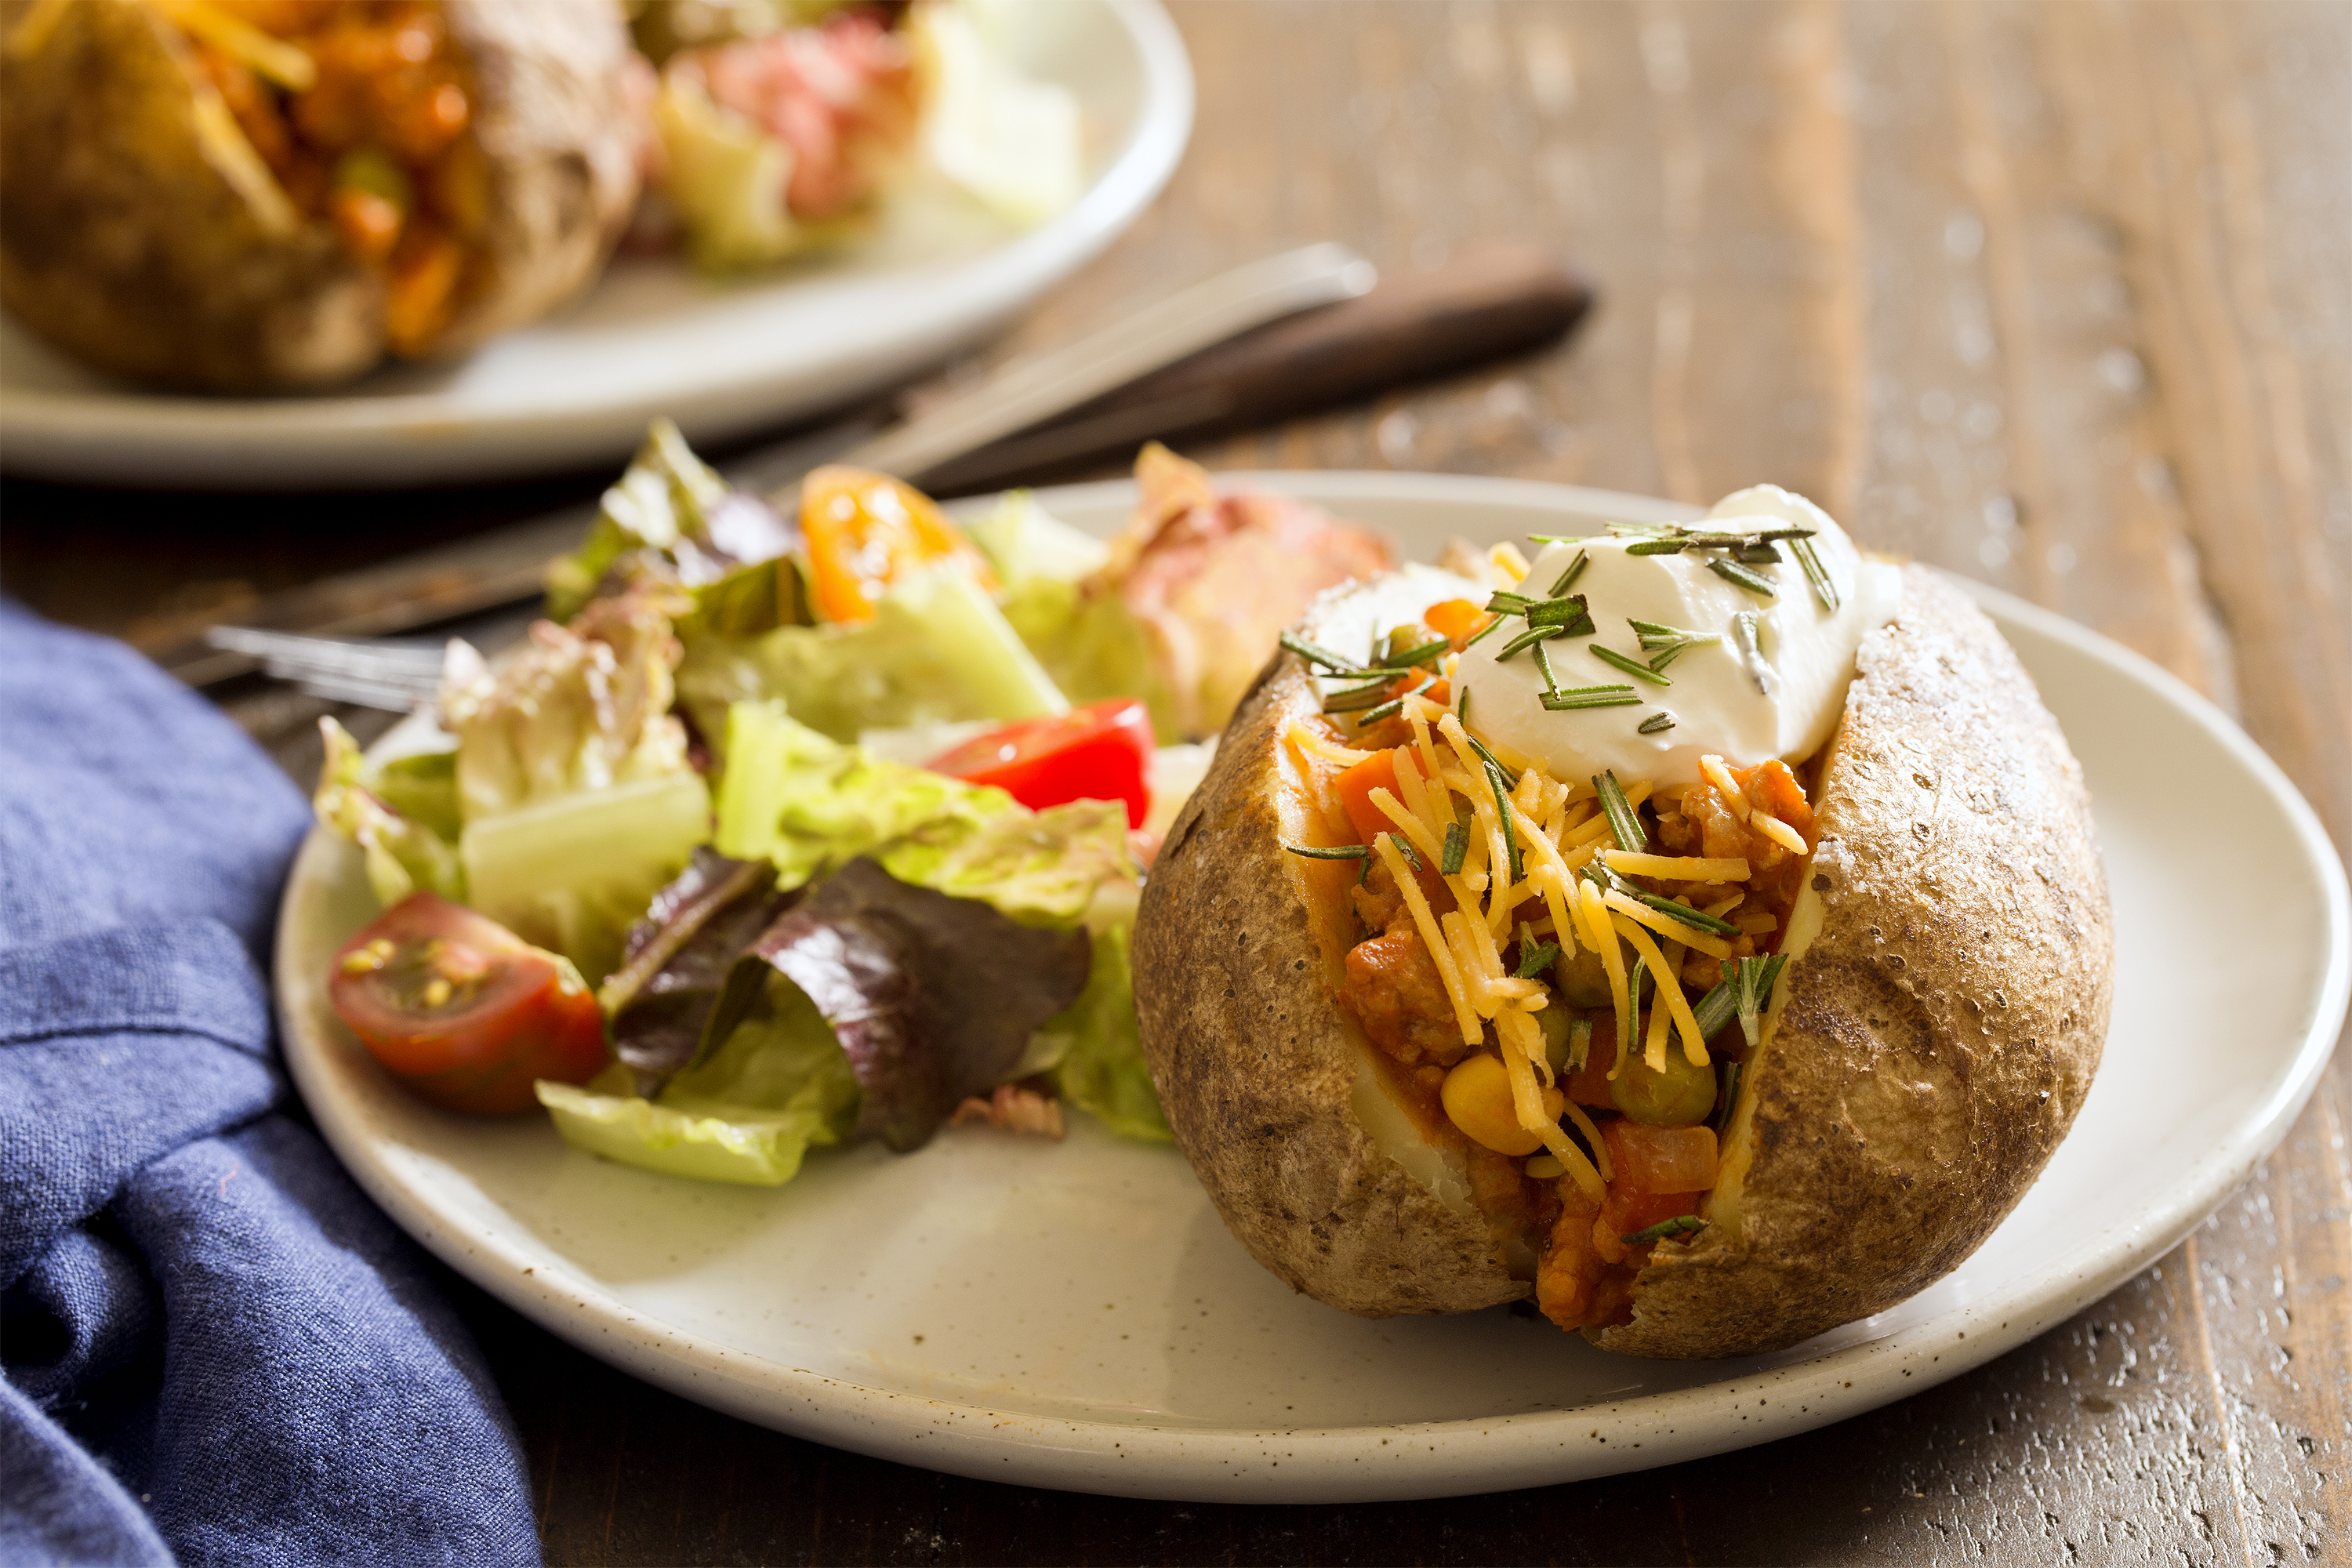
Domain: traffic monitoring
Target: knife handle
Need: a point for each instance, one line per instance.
(1481, 306)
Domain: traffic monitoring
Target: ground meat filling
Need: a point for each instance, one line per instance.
(1392, 986)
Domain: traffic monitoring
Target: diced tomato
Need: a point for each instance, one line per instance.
(1627, 1213)
(863, 529)
(1771, 785)
(1455, 620)
(1100, 751)
(1590, 1085)
(1662, 1159)
(462, 1010)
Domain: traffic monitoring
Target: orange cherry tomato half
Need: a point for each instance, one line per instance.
(1100, 751)
(863, 529)
(462, 1010)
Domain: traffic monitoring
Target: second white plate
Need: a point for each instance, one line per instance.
(1075, 1315)
(651, 337)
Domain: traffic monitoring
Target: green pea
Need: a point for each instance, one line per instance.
(1682, 1096)
(1583, 981)
(1554, 1021)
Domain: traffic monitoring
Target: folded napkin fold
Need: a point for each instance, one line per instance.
(216, 1350)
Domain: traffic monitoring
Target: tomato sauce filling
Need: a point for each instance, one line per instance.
(1658, 1133)
(363, 110)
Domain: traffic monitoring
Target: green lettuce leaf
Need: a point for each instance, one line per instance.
(806, 802)
(1045, 867)
(404, 853)
(937, 649)
(674, 521)
(747, 1112)
(1094, 1053)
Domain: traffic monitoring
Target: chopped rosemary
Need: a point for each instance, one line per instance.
(1328, 851)
(1314, 653)
(1457, 847)
(1658, 547)
(1657, 723)
(1656, 637)
(1760, 554)
(1462, 706)
(1610, 879)
(1505, 603)
(1715, 1009)
(1567, 700)
(1528, 639)
(1543, 666)
(1356, 697)
(1534, 959)
(1722, 1116)
(1404, 847)
(1615, 660)
(1698, 919)
(1503, 810)
(1747, 631)
(1489, 757)
(1622, 823)
(1681, 1225)
(1753, 979)
(1815, 572)
(1426, 653)
(1630, 1010)
(1746, 577)
(1557, 538)
(1568, 614)
(1568, 578)
(1395, 705)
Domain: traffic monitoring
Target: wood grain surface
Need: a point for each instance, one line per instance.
(2057, 296)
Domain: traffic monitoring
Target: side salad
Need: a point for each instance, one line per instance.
(781, 831)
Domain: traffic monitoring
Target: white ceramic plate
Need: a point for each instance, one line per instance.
(1074, 1315)
(651, 337)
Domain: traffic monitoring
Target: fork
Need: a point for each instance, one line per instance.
(395, 677)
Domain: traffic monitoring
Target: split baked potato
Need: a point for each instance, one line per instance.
(242, 195)
(1927, 984)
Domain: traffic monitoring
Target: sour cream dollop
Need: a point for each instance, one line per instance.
(1723, 703)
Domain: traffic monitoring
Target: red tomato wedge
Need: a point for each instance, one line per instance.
(1100, 751)
(862, 528)
(462, 1010)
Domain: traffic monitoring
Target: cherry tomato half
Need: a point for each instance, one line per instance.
(462, 1010)
(862, 528)
(1100, 751)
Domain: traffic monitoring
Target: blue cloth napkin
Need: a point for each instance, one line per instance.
(216, 1349)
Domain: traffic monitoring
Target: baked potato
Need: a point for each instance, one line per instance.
(241, 195)
(1885, 1011)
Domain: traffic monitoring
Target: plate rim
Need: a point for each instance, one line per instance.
(1456, 1457)
(121, 434)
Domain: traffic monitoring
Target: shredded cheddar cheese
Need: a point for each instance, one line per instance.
(1676, 867)
(1779, 832)
(1735, 799)
(1693, 1042)
(1433, 938)
(1308, 744)
(1666, 925)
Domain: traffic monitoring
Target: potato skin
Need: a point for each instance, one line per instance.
(1935, 1040)
(1256, 1063)
(1938, 1036)
(121, 244)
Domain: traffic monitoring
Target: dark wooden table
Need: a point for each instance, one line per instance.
(2058, 296)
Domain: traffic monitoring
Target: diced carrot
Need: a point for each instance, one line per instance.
(1454, 619)
(1378, 770)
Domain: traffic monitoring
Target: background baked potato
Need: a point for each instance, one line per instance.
(153, 223)
(1937, 1029)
